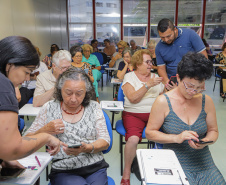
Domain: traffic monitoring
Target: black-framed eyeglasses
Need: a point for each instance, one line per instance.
(190, 90)
(63, 68)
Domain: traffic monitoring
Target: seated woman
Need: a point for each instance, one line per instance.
(141, 88)
(76, 55)
(221, 59)
(125, 66)
(75, 119)
(185, 116)
(151, 47)
(94, 62)
(48, 58)
(118, 55)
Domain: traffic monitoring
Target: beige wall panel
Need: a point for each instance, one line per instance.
(44, 22)
(5, 19)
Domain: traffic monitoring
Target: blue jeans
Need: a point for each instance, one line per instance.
(97, 178)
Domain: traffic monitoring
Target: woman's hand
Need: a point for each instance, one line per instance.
(187, 135)
(54, 127)
(154, 81)
(198, 145)
(12, 164)
(75, 151)
(126, 63)
(170, 87)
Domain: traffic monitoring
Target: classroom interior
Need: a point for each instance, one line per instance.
(70, 22)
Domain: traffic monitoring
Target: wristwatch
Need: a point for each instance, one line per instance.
(146, 86)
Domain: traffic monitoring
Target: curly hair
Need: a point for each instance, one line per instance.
(223, 46)
(122, 43)
(137, 58)
(87, 46)
(74, 74)
(74, 50)
(195, 65)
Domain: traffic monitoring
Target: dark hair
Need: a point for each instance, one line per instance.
(19, 51)
(54, 47)
(107, 40)
(93, 41)
(195, 65)
(75, 74)
(75, 49)
(164, 24)
(223, 46)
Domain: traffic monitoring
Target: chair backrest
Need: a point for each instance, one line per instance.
(99, 57)
(30, 101)
(120, 94)
(105, 58)
(108, 123)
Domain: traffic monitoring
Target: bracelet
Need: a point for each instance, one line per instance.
(92, 148)
(146, 86)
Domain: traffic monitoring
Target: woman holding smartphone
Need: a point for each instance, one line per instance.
(76, 54)
(187, 119)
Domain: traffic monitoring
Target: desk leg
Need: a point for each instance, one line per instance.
(112, 120)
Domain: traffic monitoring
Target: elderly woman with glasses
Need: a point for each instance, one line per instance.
(94, 62)
(141, 88)
(187, 119)
(77, 120)
(76, 55)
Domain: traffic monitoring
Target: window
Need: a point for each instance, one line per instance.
(111, 5)
(99, 4)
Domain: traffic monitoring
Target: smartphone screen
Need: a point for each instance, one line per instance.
(11, 172)
(173, 79)
(86, 70)
(74, 146)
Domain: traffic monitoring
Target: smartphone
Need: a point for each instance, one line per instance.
(11, 172)
(86, 70)
(75, 146)
(33, 74)
(93, 66)
(202, 142)
(173, 79)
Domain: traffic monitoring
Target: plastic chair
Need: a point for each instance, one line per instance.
(101, 60)
(217, 78)
(108, 123)
(122, 131)
(30, 101)
(21, 124)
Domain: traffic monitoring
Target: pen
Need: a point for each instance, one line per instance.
(180, 178)
(38, 161)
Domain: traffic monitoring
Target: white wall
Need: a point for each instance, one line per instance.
(44, 22)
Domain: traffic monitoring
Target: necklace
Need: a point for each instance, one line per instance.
(70, 112)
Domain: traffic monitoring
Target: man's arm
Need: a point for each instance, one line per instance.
(40, 100)
(162, 73)
(13, 146)
(204, 53)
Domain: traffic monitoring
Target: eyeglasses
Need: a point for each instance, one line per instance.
(63, 68)
(87, 51)
(149, 62)
(190, 90)
(120, 48)
(78, 56)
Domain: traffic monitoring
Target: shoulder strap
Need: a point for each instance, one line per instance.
(203, 101)
(168, 101)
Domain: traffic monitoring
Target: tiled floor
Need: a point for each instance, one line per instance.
(218, 150)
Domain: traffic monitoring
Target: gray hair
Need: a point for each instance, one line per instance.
(132, 41)
(61, 55)
(74, 74)
(126, 50)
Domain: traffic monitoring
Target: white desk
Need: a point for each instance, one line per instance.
(112, 105)
(111, 69)
(163, 156)
(29, 110)
(116, 81)
(29, 177)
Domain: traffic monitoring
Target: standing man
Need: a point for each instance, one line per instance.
(174, 44)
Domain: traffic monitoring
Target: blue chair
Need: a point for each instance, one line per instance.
(101, 60)
(217, 78)
(122, 131)
(30, 101)
(21, 124)
(108, 123)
